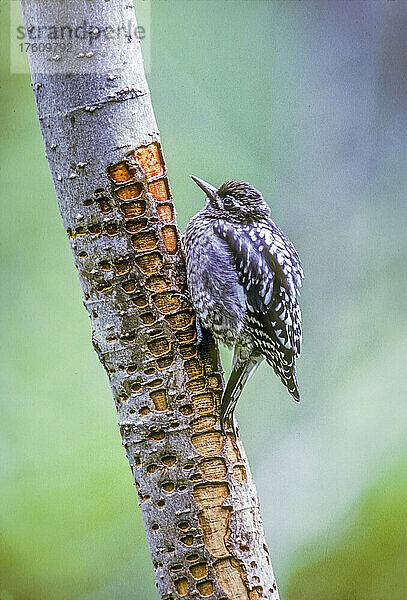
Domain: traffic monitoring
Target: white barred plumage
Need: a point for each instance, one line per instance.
(244, 277)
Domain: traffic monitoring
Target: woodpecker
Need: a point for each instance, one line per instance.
(243, 278)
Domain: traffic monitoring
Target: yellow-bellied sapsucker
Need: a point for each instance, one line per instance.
(244, 277)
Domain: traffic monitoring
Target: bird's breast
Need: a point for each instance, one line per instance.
(216, 293)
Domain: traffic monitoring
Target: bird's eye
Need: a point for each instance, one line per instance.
(228, 202)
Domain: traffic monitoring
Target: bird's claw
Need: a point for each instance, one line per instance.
(182, 296)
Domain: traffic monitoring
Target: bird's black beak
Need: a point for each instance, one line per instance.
(209, 189)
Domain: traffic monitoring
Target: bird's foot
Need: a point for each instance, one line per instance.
(184, 296)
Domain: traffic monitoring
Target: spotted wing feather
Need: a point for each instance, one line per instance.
(270, 274)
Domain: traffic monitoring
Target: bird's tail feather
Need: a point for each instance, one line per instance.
(289, 380)
(241, 373)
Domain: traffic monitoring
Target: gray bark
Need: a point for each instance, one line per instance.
(194, 485)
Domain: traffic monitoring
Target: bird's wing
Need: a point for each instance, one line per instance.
(270, 274)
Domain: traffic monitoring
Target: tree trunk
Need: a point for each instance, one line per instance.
(195, 489)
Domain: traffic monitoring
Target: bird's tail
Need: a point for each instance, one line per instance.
(292, 387)
(241, 373)
(289, 380)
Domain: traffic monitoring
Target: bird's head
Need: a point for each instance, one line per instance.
(234, 200)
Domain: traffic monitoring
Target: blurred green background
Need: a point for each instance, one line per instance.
(307, 101)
